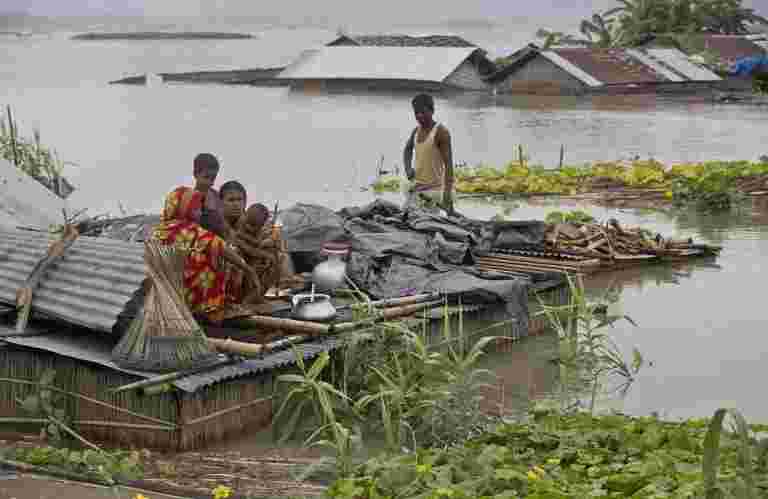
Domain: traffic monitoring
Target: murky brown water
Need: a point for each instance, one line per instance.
(702, 324)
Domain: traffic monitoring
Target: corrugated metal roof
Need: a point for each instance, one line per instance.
(97, 349)
(89, 286)
(609, 66)
(403, 41)
(680, 62)
(572, 69)
(426, 64)
(761, 40)
(657, 66)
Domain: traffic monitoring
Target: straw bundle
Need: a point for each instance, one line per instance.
(164, 336)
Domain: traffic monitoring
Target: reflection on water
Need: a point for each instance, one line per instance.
(700, 324)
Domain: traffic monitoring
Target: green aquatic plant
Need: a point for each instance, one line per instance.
(575, 455)
(574, 216)
(387, 183)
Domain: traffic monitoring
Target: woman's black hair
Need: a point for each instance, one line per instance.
(232, 185)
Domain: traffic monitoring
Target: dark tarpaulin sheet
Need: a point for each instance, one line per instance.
(396, 253)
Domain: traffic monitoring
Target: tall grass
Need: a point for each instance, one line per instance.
(31, 156)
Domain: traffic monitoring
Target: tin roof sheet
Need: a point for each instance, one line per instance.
(609, 66)
(89, 286)
(680, 63)
(424, 64)
(571, 69)
(650, 61)
(393, 40)
(97, 349)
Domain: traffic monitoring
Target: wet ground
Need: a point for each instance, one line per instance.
(37, 487)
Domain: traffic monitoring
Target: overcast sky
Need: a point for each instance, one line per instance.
(398, 10)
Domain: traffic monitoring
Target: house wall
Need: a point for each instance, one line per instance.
(211, 414)
(540, 76)
(344, 85)
(466, 77)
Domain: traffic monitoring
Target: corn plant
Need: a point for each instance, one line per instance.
(308, 396)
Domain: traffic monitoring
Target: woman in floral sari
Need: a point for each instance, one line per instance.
(212, 265)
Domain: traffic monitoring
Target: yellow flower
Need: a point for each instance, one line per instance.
(221, 492)
(140, 496)
(532, 476)
(538, 470)
(668, 195)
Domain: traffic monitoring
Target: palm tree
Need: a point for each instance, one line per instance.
(638, 18)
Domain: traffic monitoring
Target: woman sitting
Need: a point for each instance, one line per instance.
(211, 264)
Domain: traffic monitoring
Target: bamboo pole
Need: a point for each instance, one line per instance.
(387, 314)
(24, 294)
(404, 300)
(172, 376)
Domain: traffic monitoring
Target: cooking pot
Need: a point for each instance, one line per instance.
(312, 307)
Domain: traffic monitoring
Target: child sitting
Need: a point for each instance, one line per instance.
(266, 255)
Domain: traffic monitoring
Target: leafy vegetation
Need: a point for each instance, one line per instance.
(574, 216)
(556, 455)
(31, 156)
(389, 388)
(102, 466)
(633, 21)
(47, 406)
(387, 183)
(709, 185)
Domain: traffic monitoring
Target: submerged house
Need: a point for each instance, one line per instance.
(400, 41)
(79, 312)
(356, 67)
(579, 70)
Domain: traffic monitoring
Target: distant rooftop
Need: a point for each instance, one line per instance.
(402, 41)
(430, 64)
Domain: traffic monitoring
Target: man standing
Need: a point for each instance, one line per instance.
(428, 160)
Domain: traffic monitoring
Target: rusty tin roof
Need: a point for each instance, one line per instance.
(609, 66)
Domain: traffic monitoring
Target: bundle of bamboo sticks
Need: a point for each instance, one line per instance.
(164, 335)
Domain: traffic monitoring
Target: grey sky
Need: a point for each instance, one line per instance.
(344, 10)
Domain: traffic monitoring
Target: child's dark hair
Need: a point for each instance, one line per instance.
(232, 186)
(205, 162)
(423, 101)
(257, 215)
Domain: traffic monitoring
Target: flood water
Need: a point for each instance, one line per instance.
(701, 325)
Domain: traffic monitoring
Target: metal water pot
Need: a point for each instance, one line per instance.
(330, 274)
(312, 307)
